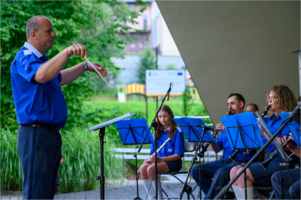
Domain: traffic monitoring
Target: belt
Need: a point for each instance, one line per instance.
(43, 125)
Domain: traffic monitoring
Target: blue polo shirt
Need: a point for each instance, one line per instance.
(174, 146)
(224, 143)
(43, 102)
(273, 123)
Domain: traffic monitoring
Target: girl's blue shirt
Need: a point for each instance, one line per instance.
(174, 146)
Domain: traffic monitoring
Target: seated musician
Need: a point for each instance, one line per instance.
(291, 185)
(252, 107)
(168, 158)
(281, 99)
(219, 170)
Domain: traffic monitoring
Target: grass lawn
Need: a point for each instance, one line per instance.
(139, 107)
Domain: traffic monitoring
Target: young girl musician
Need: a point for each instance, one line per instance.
(281, 99)
(168, 158)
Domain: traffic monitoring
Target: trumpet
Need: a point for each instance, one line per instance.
(204, 148)
(159, 148)
(233, 156)
(266, 163)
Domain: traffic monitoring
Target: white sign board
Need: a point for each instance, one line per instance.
(157, 82)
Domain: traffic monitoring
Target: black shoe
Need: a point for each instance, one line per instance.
(229, 195)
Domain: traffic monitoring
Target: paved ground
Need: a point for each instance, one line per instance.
(172, 187)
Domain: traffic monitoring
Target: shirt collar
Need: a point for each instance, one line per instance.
(273, 116)
(166, 129)
(33, 50)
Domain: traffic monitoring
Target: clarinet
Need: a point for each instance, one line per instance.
(204, 148)
(266, 110)
(233, 156)
(266, 163)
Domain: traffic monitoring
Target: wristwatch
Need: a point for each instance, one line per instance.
(86, 66)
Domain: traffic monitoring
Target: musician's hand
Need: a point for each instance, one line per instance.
(263, 133)
(291, 136)
(147, 162)
(290, 146)
(220, 126)
(152, 158)
(100, 69)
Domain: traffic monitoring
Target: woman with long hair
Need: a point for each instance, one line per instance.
(168, 158)
(281, 99)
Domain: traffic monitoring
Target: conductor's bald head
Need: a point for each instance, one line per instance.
(33, 25)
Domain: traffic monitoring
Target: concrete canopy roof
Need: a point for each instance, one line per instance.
(236, 47)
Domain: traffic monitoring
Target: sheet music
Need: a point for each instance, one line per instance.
(275, 142)
(112, 121)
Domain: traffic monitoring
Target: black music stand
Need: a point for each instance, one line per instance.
(102, 129)
(194, 133)
(243, 134)
(133, 131)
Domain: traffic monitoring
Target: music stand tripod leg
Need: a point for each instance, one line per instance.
(102, 177)
(137, 176)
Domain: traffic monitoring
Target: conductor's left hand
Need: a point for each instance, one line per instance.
(100, 69)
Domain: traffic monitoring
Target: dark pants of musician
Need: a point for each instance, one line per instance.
(291, 190)
(215, 175)
(39, 153)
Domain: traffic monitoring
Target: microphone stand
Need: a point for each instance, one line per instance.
(154, 124)
(186, 188)
(288, 120)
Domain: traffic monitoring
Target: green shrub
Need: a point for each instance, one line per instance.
(11, 175)
(81, 152)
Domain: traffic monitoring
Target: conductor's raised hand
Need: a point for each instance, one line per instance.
(99, 68)
(77, 50)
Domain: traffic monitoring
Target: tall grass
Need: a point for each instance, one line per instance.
(81, 152)
(11, 175)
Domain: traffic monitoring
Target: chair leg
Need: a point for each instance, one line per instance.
(165, 193)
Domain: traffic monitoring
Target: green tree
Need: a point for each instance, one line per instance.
(96, 24)
(170, 67)
(147, 60)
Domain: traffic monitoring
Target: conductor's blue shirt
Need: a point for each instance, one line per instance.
(43, 102)
(174, 146)
(273, 123)
(224, 143)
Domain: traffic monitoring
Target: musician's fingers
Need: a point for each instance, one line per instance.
(292, 138)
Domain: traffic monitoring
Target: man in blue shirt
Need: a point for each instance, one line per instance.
(215, 175)
(40, 105)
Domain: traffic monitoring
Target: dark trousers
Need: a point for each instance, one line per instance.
(291, 190)
(215, 175)
(39, 153)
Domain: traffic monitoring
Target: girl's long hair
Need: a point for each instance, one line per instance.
(172, 123)
(284, 98)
